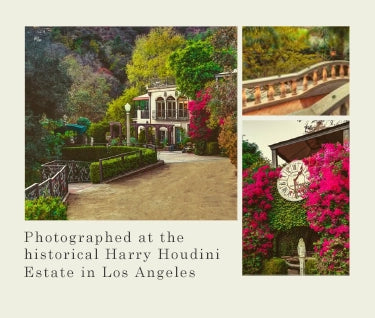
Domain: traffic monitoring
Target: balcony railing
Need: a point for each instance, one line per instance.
(268, 90)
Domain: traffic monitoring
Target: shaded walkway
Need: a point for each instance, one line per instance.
(186, 189)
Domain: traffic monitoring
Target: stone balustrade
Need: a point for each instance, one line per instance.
(279, 88)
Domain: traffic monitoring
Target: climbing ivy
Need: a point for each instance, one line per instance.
(285, 214)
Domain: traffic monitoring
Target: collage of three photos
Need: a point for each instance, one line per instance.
(142, 123)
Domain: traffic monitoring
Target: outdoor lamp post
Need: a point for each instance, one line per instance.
(127, 109)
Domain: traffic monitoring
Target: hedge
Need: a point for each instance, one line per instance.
(117, 166)
(93, 153)
(311, 266)
(275, 266)
(45, 208)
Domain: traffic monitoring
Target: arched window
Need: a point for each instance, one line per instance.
(160, 107)
(171, 107)
(182, 108)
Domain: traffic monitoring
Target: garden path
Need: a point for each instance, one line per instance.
(187, 187)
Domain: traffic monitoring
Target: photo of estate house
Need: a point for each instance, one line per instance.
(163, 110)
(118, 114)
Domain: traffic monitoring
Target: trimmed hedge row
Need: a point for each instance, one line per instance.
(93, 153)
(117, 166)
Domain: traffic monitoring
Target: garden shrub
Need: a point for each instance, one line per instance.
(311, 266)
(274, 266)
(98, 131)
(117, 166)
(251, 264)
(212, 148)
(200, 148)
(45, 208)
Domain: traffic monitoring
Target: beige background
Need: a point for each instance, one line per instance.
(219, 290)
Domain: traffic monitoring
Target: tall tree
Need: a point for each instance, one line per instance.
(193, 67)
(150, 56)
(252, 156)
(46, 79)
(89, 94)
(224, 41)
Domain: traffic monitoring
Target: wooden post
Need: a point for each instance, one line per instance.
(101, 170)
(140, 157)
(274, 158)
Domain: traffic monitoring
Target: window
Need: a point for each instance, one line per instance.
(171, 107)
(182, 108)
(160, 107)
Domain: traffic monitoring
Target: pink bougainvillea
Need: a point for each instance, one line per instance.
(199, 115)
(327, 205)
(257, 197)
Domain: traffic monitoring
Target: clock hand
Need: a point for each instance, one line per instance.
(298, 174)
(295, 187)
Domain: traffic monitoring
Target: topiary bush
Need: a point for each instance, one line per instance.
(45, 208)
(274, 266)
(98, 130)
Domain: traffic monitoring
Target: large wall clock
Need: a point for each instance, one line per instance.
(292, 181)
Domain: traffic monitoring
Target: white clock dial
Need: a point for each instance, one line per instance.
(293, 180)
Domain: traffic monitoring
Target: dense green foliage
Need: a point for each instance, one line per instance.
(193, 67)
(311, 266)
(252, 157)
(98, 131)
(274, 266)
(212, 148)
(116, 108)
(45, 208)
(285, 214)
(117, 166)
(271, 51)
(150, 56)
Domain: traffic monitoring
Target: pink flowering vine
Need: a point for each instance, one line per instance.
(257, 197)
(327, 205)
(199, 116)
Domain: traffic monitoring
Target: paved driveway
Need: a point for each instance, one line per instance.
(186, 187)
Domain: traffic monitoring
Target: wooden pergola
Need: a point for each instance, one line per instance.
(306, 145)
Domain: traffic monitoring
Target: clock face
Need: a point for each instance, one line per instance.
(293, 180)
